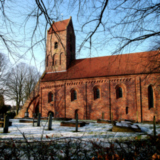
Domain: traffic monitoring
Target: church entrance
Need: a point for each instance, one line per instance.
(51, 113)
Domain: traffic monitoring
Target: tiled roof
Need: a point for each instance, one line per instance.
(125, 64)
(59, 26)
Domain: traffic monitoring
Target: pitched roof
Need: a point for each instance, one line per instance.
(58, 26)
(125, 64)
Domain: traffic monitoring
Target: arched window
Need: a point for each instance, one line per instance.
(55, 45)
(96, 93)
(126, 110)
(73, 95)
(55, 59)
(150, 97)
(119, 92)
(50, 97)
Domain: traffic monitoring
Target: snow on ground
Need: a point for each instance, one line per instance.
(92, 131)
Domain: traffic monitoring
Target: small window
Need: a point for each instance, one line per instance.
(119, 92)
(50, 97)
(126, 110)
(55, 45)
(150, 97)
(96, 93)
(73, 95)
(55, 62)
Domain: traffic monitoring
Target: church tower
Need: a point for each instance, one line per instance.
(60, 50)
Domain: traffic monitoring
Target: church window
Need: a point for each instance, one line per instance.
(73, 95)
(55, 62)
(150, 97)
(119, 92)
(55, 45)
(126, 110)
(50, 97)
(96, 93)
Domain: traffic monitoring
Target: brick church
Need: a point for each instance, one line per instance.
(124, 86)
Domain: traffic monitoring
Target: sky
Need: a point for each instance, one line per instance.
(21, 29)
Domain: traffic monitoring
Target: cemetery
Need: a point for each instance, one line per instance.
(86, 129)
(68, 138)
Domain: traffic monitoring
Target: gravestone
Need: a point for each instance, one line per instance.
(154, 126)
(50, 122)
(6, 124)
(76, 122)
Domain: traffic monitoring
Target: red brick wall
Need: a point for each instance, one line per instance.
(135, 97)
(51, 52)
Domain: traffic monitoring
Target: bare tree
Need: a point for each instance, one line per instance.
(20, 82)
(4, 67)
(118, 24)
(31, 80)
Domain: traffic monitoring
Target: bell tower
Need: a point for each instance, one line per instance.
(60, 50)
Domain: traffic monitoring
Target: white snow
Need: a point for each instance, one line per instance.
(92, 131)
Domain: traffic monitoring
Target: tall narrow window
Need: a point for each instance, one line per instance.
(96, 93)
(55, 45)
(126, 110)
(73, 95)
(150, 97)
(119, 92)
(50, 97)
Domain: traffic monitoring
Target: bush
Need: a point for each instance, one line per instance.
(76, 148)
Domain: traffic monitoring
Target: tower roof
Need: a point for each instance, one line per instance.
(117, 65)
(59, 26)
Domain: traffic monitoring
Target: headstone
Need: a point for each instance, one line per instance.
(39, 119)
(102, 115)
(76, 122)
(50, 122)
(6, 124)
(154, 126)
